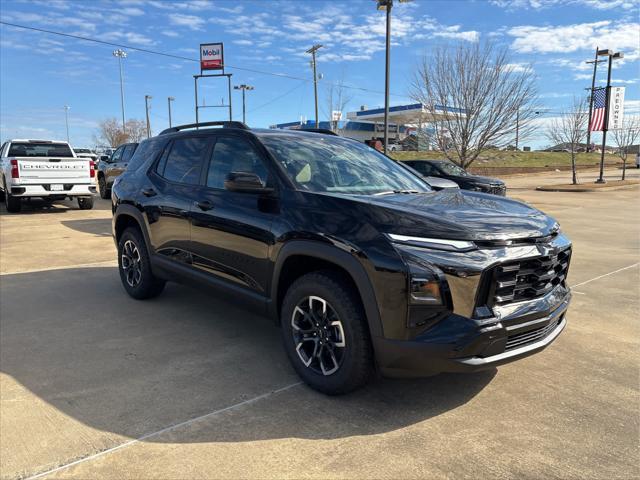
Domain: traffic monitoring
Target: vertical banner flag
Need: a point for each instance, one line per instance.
(616, 108)
(597, 117)
(211, 56)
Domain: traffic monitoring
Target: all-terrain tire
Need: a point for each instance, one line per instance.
(13, 204)
(85, 203)
(343, 301)
(135, 267)
(105, 192)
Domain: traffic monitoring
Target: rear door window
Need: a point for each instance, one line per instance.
(117, 154)
(183, 163)
(128, 152)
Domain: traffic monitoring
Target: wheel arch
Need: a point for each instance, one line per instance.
(126, 216)
(299, 257)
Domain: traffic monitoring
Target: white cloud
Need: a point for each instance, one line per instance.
(192, 22)
(130, 37)
(520, 67)
(582, 76)
(243, 41)
(571, 38)
(170, 33)
(630, 81)
(132, 11)
(542, 4)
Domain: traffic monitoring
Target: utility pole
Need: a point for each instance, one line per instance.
(313, 51)
(121, 54)
(387, 61)
(593, 86)
(169, 100)
(605, 124)
(244, 88)
(66, 119)
(146, 106)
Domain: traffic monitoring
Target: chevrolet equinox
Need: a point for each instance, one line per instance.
(364, 267)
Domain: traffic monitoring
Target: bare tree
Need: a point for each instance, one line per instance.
(475, 97)
(136, 130)
(569, 129)
(110, 132)
(337, 100)
(625, 137)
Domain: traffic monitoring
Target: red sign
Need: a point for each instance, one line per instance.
(211, 56)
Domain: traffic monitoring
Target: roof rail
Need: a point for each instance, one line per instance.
(223, 124)
(325, 131)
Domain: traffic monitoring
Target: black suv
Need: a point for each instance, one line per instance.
(364, 267)
(450, 171)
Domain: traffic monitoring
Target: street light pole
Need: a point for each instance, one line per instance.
(605, 124)
(169, 100)
(146, 106)
(121, 54)
(389, 4)
(593, 86)
(313, 51)
(244, 88)
(66, 119)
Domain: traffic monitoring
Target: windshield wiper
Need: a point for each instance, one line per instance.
(389, 192)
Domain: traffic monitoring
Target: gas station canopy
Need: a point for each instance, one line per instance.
(412, 114)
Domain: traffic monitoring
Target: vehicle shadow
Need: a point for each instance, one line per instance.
(38, 205)
(99, 227)
(75, 340)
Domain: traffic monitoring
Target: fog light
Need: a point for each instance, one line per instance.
(425, 291)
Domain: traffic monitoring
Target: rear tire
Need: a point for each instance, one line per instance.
(85, 203)
(13, 204)
(105, 192)
(325, 333)
(135, 267)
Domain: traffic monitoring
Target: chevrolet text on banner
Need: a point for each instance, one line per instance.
(211, 56)
(616, 108)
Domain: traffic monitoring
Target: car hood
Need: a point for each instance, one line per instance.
(459, 214)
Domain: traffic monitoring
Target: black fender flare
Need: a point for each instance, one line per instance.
(131, 211)
(341, 258)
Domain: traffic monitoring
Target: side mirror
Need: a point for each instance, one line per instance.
(105, 158)
(245, 182)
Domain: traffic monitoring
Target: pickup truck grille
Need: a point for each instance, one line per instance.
(531, 336)
(529, 279)
(498, 190)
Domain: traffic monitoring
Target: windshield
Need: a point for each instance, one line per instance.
(323, 163)
(33, 149)
(452, 169)
(81, 150)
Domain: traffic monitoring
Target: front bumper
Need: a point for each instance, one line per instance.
(460, 344)
(45, 190)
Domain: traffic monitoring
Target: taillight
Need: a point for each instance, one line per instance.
(14, 169)
(92, 168)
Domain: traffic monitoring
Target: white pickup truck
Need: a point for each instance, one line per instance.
(47, 169)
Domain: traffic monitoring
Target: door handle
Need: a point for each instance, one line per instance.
(149, 192)
(204, 205)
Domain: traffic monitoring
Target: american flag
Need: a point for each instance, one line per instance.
(597, 117)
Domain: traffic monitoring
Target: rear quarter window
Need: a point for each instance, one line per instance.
(147, 150)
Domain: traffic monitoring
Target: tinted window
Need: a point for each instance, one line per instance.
(184, 161)
(117, 154)
(233, 154)
(128, 152)
(451, 169)
(33, 149)
(147, 150)
(423, 167)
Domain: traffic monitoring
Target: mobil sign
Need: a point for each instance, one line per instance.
(211, 56)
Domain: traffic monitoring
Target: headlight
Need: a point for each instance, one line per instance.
(425, 289)
(434, 243)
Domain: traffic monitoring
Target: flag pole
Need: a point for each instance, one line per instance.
(605, 123)
(593, 85)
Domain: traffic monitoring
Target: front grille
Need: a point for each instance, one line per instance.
(498, 190)
(531, 336)
(529, 279)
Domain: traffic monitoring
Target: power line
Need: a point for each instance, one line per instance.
(181, 57)
(277, 98)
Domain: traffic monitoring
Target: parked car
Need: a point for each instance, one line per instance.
(85, 153)
(358, 260)
(45, 169)
(450, 171)
(110, 167)
(394, 147)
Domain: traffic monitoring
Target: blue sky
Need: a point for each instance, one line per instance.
(40, 73)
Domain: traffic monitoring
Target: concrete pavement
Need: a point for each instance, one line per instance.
(92, 376)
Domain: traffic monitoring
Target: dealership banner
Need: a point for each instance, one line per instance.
(616, 108)
(211, 56)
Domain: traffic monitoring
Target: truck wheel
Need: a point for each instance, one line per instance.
(102, 186)
(13, 204)
(325, 333)
(135, 267)
(85, 203)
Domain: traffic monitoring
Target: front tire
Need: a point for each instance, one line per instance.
(85, 203)
(135, 267)
(325, 333)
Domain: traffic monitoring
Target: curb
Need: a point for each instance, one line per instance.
(551, 188)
